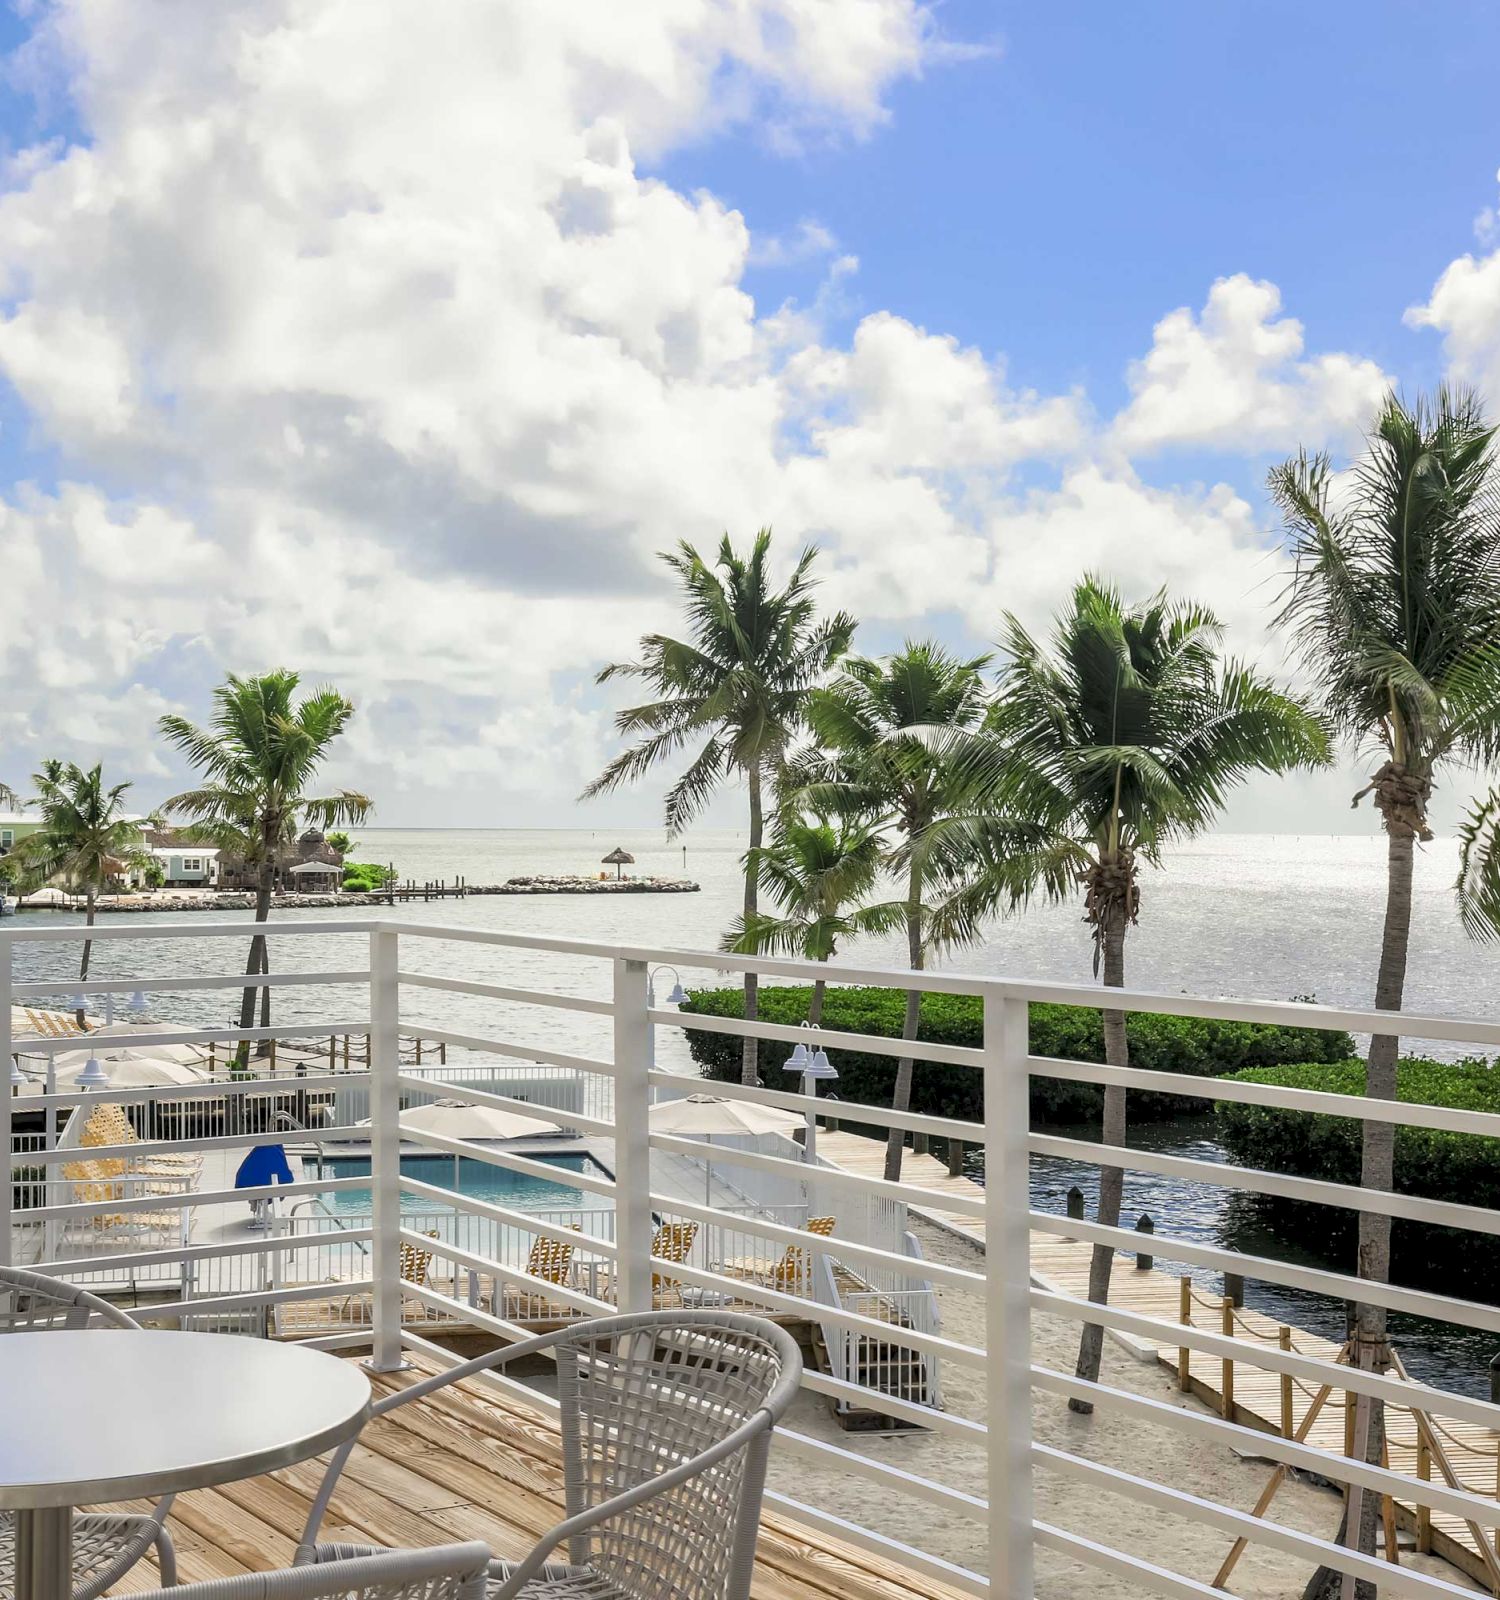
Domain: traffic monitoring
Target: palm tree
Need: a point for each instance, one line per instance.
(85, 838)
(8, 797)
(1392, 603)
(882, 724)
(1122, 736)
(260, 752)
(736, 687)
(816, 870)
(1478, 883)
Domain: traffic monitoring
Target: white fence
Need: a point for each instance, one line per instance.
(475, 1270)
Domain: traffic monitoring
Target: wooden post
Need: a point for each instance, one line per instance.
(1185, 1317)
(1424, 1511)
(1144, 1261)
(272, 1057)
(333, 1052)
(419, 1050)
(1284, 1340)
(1226, 1379)
(1349, 1404)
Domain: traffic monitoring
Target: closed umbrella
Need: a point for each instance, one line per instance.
(703, 1115)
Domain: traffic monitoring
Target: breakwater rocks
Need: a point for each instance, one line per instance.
(175, 904)
(575, 885)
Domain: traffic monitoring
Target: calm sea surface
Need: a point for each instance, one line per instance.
(1258, 916)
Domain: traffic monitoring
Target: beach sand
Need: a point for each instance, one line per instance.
(1213, 1472)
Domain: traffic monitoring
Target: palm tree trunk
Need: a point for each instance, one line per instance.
(1111, 1179)
(750, 1060)
(895, 1142)
(88, 950)
(1377, 1171)
(257, 955)
(815, 1005)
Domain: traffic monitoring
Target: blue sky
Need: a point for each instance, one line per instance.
(394, 354)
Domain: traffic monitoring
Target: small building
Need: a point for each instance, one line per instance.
(188, 866)
(15, 826)
(315, 877)
(312, 849)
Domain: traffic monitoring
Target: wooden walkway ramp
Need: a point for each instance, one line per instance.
(1436, 1448)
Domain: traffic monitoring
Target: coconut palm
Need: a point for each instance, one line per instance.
(1479, 868)
(736, 689)
(85, 839)
(1123, 734)
(817, 871)
(882, 724)
(258, 756)
(1393, 604)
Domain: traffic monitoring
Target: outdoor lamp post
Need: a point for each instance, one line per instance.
(812, 1066)
(675, 998)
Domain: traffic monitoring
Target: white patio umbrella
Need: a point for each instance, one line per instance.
(703, 1115)
(457, 1119)
(125, 1069)
(113, 1044)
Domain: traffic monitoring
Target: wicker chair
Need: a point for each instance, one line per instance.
(666, 1424)
(105, 1547)
(445, 1572)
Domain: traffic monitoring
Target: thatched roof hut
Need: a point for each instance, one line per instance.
(618, 858)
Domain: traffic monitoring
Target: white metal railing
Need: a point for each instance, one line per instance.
(885, 1312)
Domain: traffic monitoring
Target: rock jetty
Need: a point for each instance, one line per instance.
(543, 884)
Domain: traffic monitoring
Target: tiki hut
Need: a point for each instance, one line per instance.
(618, 858)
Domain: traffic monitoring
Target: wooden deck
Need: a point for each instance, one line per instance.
(470, 1463)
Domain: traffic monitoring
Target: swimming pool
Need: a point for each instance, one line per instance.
(477, 1180)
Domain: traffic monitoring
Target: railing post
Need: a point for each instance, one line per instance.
(7, 1096)
(385, 1149)
(1007, 1207)
(632, 1138)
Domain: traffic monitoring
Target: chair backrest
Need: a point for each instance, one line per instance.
(445, 1572)
(549, 1260)
(32, 1302)
(414, 1260)
(674, 1241)
(793, 1265)
(642, 1395)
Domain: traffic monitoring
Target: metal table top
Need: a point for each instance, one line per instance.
(107, 1414)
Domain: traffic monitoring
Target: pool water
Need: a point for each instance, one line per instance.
(476, 1179)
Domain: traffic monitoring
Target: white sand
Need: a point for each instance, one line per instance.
(1162, 1454)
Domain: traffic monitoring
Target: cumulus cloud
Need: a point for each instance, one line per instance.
(1233, 378)
(1464, 307)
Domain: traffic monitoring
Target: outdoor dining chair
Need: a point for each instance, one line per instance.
(105, 1546)
(445, 1572)
(666, 1423)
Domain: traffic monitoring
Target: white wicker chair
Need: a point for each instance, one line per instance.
(105, 1547)
(445, 1572)
(666, 1423)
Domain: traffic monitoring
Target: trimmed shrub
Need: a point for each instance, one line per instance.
(364, 877)
(1198, 1047)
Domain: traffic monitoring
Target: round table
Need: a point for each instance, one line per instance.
(100, 1415)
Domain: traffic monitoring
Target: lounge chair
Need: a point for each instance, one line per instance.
(551, 1260)
(105, 1546)
(108, 1125)
(666, 1422)
(97, 1183)
(673, 1242)
(792, 1272)
(444, 1572)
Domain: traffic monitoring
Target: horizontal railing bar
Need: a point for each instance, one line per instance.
(815, 1244)
(964, 1429)
(503, 1047)
(1240, 1524)
(827, 1109)
(189, 1093)
(506, 1274)
(334, 1341)
(43, 1044)
(1417, 1208)
(65, 933)
(827, 1038)
(249, 1301)
(528, 1221)
(513, 1388)
(1271, 1358)
(147, 1147)
(879, 1544)
(1337, 1285)
(161, 985)
(188, 1198)
(929, 1489)
(502, 991)
(1254, 1441)
(1134, 1569)
(128, 1259)
(504, 1158)
(443, 1090)
(1356, 1107)
(834, 1177)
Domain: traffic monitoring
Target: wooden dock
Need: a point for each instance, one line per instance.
(469, 1463)
(1435, 1449)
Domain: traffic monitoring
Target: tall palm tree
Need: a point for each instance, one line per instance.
(882, 723)
(736, 688)
(817, 871)
(85, 839)
(257, 757)
(1478, 883)
(1122, 735)
(1393, 604)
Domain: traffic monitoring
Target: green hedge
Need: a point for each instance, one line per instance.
(1198, 1047)
(364, 877)
(1464, 1167)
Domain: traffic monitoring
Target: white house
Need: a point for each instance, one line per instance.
(188, 866)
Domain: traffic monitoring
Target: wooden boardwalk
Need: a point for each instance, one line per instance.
(469, 1463)
(1440, 1449)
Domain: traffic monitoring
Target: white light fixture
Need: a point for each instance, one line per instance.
(93, 1075)
(799, 1060)
(138, 1001)
(17, 1077)
(820, 1067)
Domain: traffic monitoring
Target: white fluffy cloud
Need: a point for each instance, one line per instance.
(1233, 378)
(399, 370)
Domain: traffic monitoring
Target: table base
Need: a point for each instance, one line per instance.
(44, 1554)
